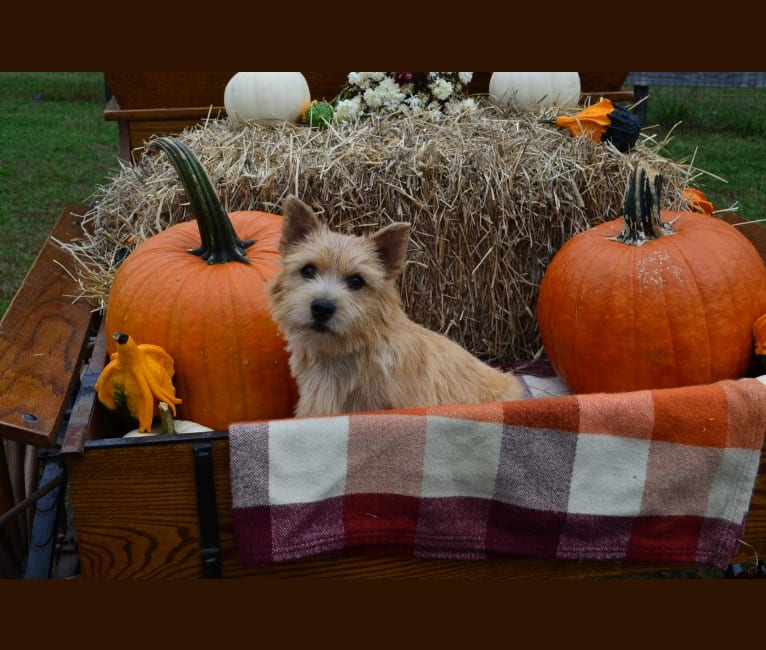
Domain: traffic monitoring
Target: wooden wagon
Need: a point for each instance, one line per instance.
(162, 507)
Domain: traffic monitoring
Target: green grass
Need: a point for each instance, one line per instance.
(55, 149)
(723, 132)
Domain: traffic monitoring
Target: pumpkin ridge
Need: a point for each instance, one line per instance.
(738, 329)
(699, 286)
(565, 260)
(674, 326)
(622, 264)
(737, 281)
(581, 290)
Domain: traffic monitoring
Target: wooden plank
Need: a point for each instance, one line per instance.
(42, 339)
(755, 232)
(138, 126)
(84, 419)
(167, 89)
(136, 511)
(114, 112)
(140, 132)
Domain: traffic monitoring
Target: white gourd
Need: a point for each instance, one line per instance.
(181, 426)
(530, 89)
(266, 96)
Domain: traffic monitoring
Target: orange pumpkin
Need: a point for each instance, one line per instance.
(198, 290)
(652, 300)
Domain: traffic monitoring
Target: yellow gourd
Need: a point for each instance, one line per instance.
(136, 379)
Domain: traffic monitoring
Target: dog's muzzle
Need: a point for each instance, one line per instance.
(321, 312)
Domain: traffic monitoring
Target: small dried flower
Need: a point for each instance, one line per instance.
(430, 93)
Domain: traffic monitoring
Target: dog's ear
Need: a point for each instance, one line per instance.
(299, 222)
(391, 244)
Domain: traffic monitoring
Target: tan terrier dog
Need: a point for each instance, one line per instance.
(352, 347)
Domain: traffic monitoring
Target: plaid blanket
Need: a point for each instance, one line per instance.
(663, 475)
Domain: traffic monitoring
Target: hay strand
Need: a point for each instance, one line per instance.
(491, 196)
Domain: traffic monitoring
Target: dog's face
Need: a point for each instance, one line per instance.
(335, 292)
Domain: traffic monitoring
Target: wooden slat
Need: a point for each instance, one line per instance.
(113, 112)
(83, 420)
(42, 339)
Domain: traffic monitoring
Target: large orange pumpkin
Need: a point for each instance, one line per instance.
(198, 290)
(651, 300)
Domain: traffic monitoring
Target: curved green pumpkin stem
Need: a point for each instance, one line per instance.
(220, 243)
(641, 209)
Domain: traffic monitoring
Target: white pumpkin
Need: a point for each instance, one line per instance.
(530, 89)
(266, 96)
(181, 426)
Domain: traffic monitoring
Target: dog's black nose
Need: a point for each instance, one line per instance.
(322, 310)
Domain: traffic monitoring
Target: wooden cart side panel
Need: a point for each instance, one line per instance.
(136, 517)
(43, 336)
(135, 512)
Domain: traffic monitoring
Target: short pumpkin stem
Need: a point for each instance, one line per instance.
(220, 243)
(167, 423)
(641, 209)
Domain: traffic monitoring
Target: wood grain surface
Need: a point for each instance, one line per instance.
(42, 337)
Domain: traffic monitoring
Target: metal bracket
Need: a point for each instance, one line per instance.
(207, 511)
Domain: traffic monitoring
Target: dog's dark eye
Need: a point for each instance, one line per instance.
(355, 282)
(309, 271)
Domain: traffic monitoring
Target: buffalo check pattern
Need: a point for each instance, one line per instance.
(661, 475)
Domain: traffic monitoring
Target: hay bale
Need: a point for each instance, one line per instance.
(491, 196)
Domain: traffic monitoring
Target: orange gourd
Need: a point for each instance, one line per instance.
(651, 300)
(198, 290)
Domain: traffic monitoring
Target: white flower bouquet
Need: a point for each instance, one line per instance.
(433, 94)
